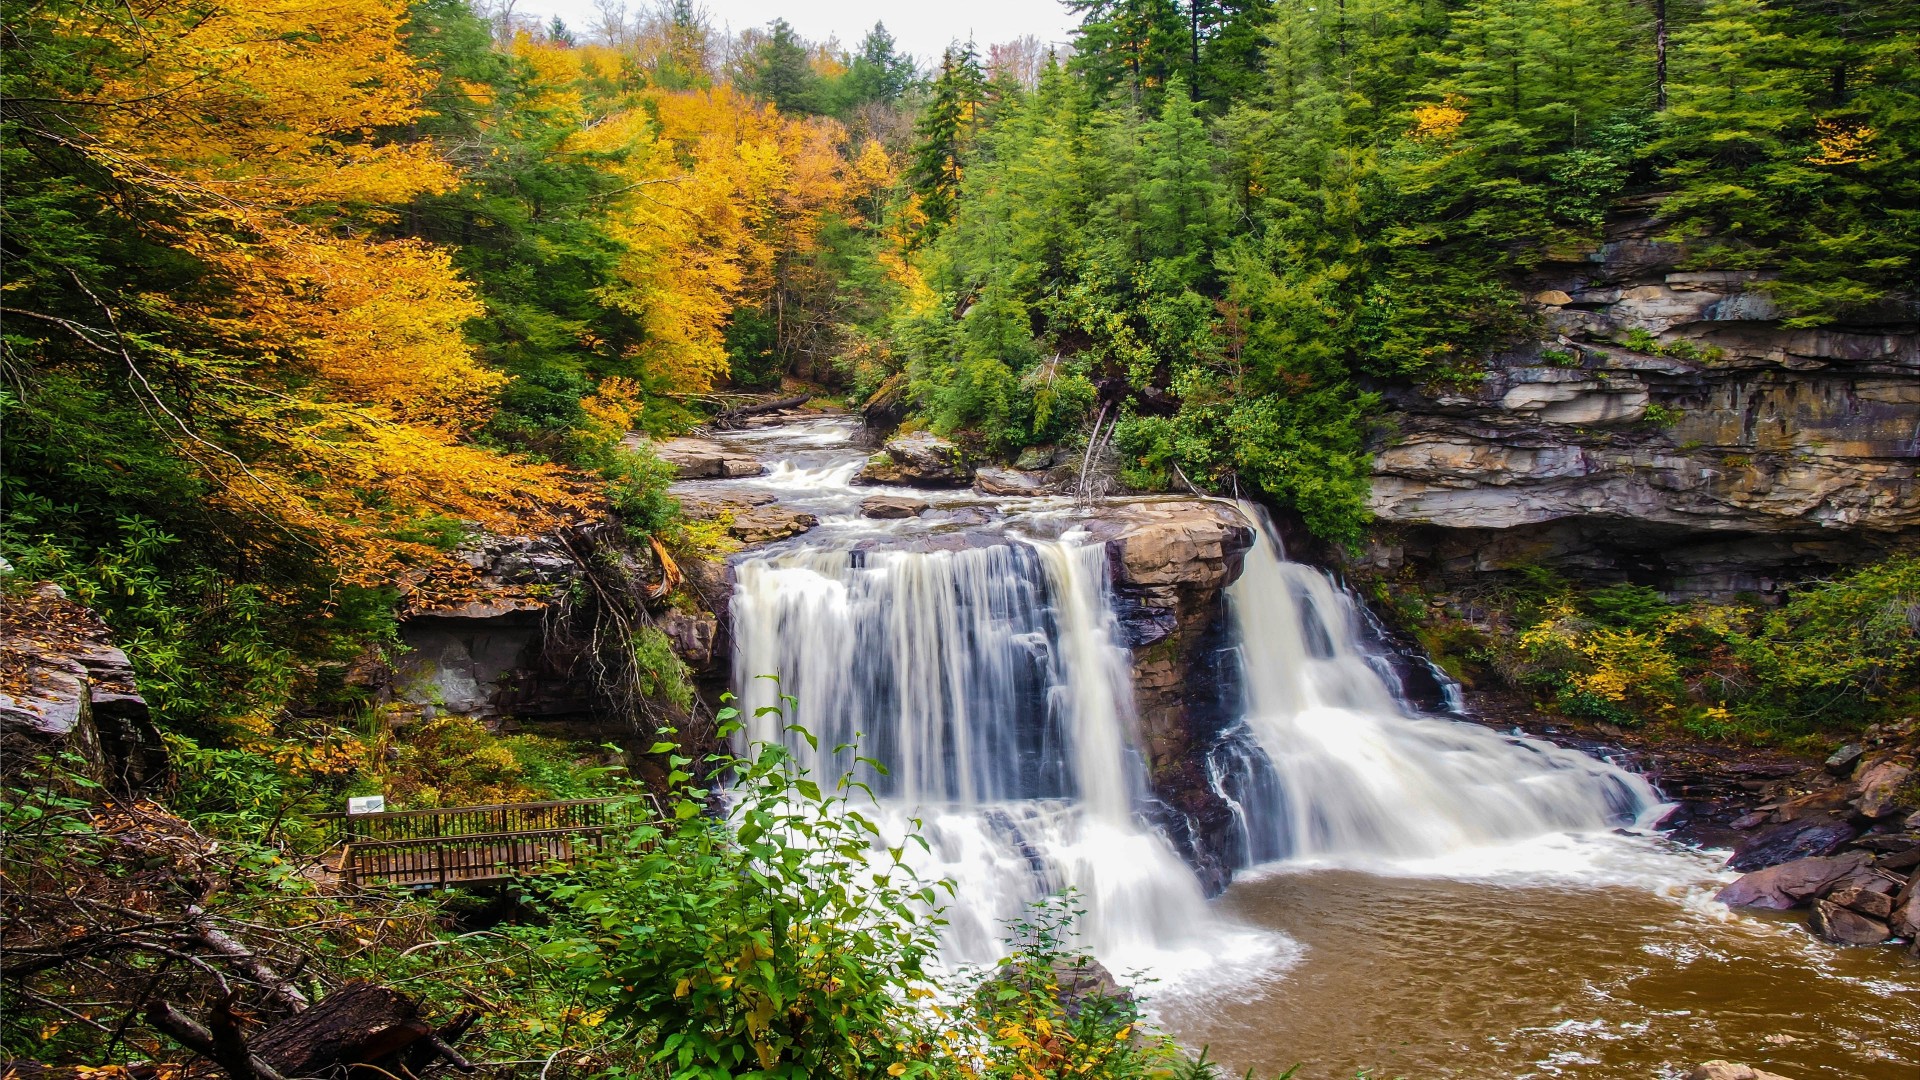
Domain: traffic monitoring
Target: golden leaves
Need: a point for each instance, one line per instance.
(1841, 144)
(1438, 123)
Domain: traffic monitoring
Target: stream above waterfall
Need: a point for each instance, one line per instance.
(1419, 895)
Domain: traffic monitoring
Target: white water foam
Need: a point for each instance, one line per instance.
(990, 681)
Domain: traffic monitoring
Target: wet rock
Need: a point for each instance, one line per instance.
(1844, 759)
(1077, 982)
(692, 635)
(891, 506)
(1727, 1070)
(1013, 482)
(1791, 840)
(752, 518)
(1751, 820)
(1877, 791)
(705, 507)
(701, 459)
(1864, 901)
(887, 406)
(1842, 926)
(922, 459)
(1790, 884)
(767, 523)
(1905, 917)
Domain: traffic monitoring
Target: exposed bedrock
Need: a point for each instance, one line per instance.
(64, 683)
(1727, 452)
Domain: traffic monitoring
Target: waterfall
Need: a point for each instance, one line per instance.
(1330, 764)
(990, 682)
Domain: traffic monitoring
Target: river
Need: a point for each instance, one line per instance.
(1426, 896)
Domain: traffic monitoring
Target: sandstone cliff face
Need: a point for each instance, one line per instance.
(1725, 452)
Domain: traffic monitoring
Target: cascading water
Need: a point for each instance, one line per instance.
(989, 681)
(1330, 765)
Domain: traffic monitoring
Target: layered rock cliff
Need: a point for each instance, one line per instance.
(1669, 427)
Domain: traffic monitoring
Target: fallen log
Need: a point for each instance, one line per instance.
(358, 1024)
(732, 417)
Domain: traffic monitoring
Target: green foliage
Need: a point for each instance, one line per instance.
(778, 941)
(637, 483)
(779, 70)
(662, 674)
(1837, 656)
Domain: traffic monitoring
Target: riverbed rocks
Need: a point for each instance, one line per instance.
(1844, 926)
(700, 459)
(1015, 482)
(892, 507)
(1789, 885)
(751, 517)
(919, 459)
(1790, 840)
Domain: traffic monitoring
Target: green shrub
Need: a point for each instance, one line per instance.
(774, 941)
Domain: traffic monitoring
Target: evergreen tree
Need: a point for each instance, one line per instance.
(1133, 46)
(877, 73)
(945, 133)
(780, 70)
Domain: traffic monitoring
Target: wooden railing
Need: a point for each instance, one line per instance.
(460, 845)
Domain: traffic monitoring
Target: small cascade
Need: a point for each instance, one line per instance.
(990, 682)
(1330, 763)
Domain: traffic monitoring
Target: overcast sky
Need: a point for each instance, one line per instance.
(921, 28)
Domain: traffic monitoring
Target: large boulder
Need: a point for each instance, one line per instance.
(1016, 482)
(1844, 926)
(751, 517)
(921, 459)
(1879, 789)
(1789, 840)
(765, 524)
(701, 459)
(1788, 885)
(891, 507)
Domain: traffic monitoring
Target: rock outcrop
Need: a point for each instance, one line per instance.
(1172, 561)
(64, 682)
(481, 656)
(921, 459)
(1722, 451)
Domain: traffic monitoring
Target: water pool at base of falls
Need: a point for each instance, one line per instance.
(1422, 896)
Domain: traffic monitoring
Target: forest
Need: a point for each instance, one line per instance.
(299, 298)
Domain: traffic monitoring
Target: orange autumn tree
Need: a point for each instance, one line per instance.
(314, 372)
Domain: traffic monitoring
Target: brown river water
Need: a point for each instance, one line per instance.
(1525, 976)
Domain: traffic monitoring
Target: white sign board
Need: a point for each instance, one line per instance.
(367, 804)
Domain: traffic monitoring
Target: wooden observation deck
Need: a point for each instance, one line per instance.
(472, 845)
